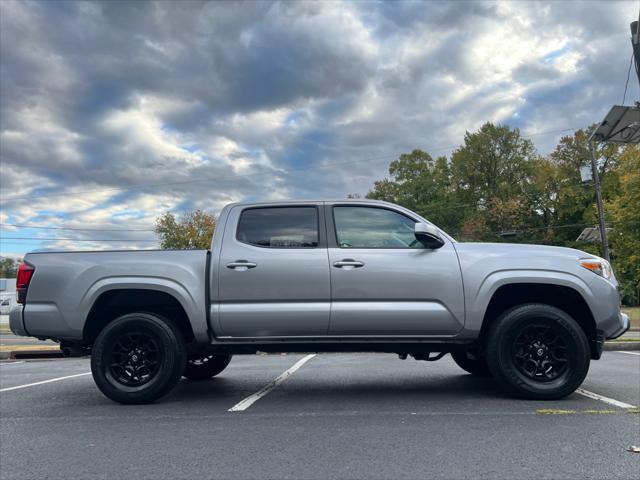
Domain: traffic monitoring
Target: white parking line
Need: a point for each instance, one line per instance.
(602, 398)
(629, 353)
(11, 363)
(43, 382)
(251, 399)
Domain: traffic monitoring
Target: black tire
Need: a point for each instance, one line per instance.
(138, 358)
(475, 365)
(206, 366)
(538, 352)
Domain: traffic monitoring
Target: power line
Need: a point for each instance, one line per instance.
(76, 239)
(566, 225)
(624, 96)
(231, 177)
(80, 229)
(518, 230)
(479, 203)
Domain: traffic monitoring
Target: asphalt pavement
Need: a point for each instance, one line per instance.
(335, 416)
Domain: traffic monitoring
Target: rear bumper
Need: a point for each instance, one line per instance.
(16, 321)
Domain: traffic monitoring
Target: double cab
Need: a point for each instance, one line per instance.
(320, 276)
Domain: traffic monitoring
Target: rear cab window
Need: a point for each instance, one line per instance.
(279, 227)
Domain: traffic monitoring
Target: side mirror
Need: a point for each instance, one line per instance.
(428, 235)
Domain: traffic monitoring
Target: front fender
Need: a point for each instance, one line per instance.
(478, 296)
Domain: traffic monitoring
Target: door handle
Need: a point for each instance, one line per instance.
(241, 265)
(348, 262)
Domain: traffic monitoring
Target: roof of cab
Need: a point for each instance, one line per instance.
(315, 202)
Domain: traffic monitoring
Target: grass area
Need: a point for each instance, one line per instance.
(22, 348)
(634, 316)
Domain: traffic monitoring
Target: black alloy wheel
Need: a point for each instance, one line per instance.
(538, 351)
(138, 358)
(134, 358)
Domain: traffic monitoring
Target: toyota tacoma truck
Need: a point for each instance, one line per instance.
(323, 276)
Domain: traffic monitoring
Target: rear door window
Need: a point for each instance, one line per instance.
(279, 227)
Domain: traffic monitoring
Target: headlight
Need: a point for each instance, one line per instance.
(598, 266)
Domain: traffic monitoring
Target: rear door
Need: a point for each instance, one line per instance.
(274, 272)
(384, 282)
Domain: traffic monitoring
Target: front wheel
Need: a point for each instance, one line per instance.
(206, 366)
(138, 358)
(538, 352)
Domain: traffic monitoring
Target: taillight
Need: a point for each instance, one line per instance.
(25, 272)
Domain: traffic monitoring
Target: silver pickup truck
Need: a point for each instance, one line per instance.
(318, 277)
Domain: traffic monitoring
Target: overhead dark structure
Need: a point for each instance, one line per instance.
(621, 125)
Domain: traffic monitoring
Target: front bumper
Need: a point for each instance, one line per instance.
(624, 326)
(597, 343)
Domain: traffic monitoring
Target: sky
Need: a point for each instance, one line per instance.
(112, 113)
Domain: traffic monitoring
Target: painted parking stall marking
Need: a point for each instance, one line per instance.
(251, 399)
(59, 379)
(602, 398)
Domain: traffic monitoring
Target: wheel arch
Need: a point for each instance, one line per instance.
(563, 297)
(105, 301)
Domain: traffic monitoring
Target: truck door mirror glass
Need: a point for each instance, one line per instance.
(428, 235)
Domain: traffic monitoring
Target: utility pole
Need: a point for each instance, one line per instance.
(596, 183)
(635, 43)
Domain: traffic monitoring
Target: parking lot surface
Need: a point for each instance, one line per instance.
(336, 416)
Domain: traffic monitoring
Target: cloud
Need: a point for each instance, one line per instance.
(145, 107)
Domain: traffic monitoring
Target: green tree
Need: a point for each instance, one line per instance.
(422, 184)
(570, 201)
(193, 230)
(493, 177)
(8, 267)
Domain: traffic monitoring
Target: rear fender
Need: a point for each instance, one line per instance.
(193, 307)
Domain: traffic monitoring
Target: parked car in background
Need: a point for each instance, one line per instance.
(7, 302)
(322, 276)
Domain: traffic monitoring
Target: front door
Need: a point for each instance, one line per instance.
(386, 283)
(274, 273)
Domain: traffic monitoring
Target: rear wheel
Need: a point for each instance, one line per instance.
(472, 363)
(138, 358)
(206, 366)
(538, 351)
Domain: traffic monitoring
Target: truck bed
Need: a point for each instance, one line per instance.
(66, 284)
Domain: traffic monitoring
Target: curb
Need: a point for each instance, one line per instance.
(633, 346)
(27, 354)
